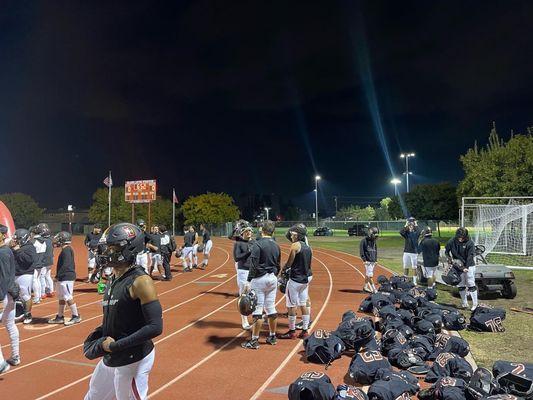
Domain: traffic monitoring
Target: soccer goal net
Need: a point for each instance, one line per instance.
(503, 225)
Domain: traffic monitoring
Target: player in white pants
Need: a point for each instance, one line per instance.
(241, 255)
(207, 245)
(265, 263)
(462, 248)
(411, 233)
(132, 317)
(7, 280)
(40, 248)
(189, 240)
(121, 383)
(368, 250)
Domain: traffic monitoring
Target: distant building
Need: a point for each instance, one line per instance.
(63, 220)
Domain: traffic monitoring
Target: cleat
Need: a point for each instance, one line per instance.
(57, 320)
(474, 306)
(246, 327)
(195, 266)
(465, 306)
(4, 367)
(36, 301)
(272, 340)
(76, 319)
(27, 319)
(288, 335)
(300, 325)
(252, 344)
(14, 361)
(303, 334)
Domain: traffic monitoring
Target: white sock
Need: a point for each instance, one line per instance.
(255, 337)
(61, 310)
(74, 309)
(414, 277)
(462, 293)
(292, 322)
(195, 260)
(305, 321)
(185, 264)
(244, 320)
(473, 295)
(205, 262)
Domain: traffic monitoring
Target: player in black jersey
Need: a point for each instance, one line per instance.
(297, 291)
(262, 278)
(190, 239)
(91, 242)
(132, 318)
(208, 244)
(242, 249)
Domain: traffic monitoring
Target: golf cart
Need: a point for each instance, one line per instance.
(490, 278)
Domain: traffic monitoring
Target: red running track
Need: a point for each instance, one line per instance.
(198, 356)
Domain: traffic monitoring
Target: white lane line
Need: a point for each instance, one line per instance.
(82, 364)
(299, 344)
(99, 300)
(80, 345)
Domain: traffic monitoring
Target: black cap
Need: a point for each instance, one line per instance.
(3, 229)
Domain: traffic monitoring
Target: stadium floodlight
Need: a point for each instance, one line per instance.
(317, 178)
(395, 182)
(407, 173)
(267, 209)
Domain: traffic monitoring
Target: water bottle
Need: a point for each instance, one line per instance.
(101, 286)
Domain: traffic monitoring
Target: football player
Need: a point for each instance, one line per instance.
(410, 232)
(369, 254)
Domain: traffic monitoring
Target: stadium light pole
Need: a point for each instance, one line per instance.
(395, 182)
(407, 173)
(317, 178)
(267, 209)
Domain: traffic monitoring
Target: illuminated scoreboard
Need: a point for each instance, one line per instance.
(140, 191)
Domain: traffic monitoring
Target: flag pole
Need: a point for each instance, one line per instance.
(173, 212)
(109, 201)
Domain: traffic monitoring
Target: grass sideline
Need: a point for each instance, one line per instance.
(514, 344)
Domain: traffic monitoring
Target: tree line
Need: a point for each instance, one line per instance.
(501, 168)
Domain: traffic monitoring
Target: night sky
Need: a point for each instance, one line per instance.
(254, 96)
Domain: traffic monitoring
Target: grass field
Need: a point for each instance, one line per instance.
(513, 345)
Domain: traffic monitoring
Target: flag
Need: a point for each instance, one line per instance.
(174, 198)
(108, 181)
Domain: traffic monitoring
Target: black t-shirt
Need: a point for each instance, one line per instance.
(26, 260)
(189, 238)
(206, 236)
(302, 264)
(48, 258)
(7, 270)
(430, 249)
(155, 240)
(122, 317)
(66, 267)
(92, 240)
(265, 258)
(242, 249)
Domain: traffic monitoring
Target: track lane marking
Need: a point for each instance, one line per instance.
(80, 345)
(99, 300)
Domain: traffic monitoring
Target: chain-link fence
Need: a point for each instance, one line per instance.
(383, 226)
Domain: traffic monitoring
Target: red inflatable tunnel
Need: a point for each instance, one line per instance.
(6, 219)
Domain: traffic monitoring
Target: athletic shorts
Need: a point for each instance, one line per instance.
(265, 288)
(296, 293)
(369, 269)
(65, 290)
(430, 271)
(25, 283)
(207, 247)
(410, 260)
